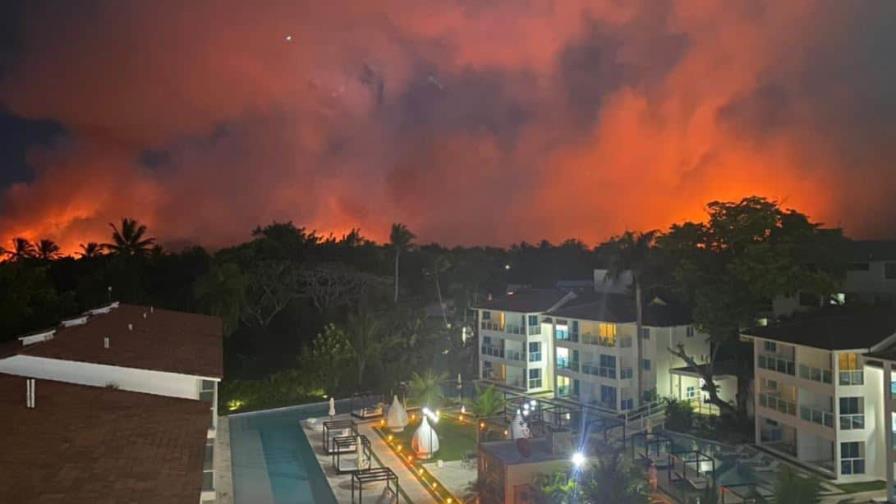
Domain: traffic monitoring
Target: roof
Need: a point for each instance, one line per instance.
(620, 308)
(165, 340)
(835, 328)
(96, 445)
(872, 250)
(525, 301)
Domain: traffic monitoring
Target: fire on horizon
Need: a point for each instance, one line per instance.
(471, 122)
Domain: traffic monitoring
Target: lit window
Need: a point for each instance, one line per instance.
(852, 457)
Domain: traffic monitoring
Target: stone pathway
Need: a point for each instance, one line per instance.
(412, 487)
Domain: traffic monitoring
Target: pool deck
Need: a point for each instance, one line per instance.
(342, 483)
(223, 463)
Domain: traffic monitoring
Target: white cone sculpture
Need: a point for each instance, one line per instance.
(425, 441)
(363, 460)
(397, 417)
(332, 407)
(518, 428)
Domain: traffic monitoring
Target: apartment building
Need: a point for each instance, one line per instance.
(596, 343)
(821, 395)
(583, 347)
(116, 405)
(513, 350)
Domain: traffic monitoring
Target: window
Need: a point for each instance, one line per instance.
(625, 341)
(645, 364)
(575, 327)
(628, 404)
(691, 392)
(852, 416)
(689, 332)
(606, 334)
(859, 266)
(562, 332)
(852, 457)
(486, 315)
(533, 319)
(770, 346)
(645, 333)
(563, 389)
(608, 396)
(608, 361)
(562, 358)
(535, 378)
(890, 271)
(534, 351)
(207, 393)
(649, 395)
(850, 369)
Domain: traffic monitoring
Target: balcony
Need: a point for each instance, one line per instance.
(491, 325)
(816, 374)
(567, 392)
(852, 377)
(852, 422)
(776, 403)
(568, 364)
(597, 370)
(625, 373)
(493, 351)
(815, 415)
(515, 329)
(561, 335)
(592, 339)
(514, 355)
(775, 363)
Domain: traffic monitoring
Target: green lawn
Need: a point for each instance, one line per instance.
(866, 486)
(455, 438)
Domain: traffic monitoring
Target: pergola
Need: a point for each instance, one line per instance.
(363, 404)
(346, 451)
(337, 428)
(651, 440)
(693, 460)
(380, 474)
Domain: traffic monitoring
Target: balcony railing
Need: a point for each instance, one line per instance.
(567, 336)
(852, 422)
(815, 415)
(625, 373)
(566, 391)
(815, 374)
(776, 403)
(568, 364)
(852, 377)
(515, 355)
(515, 329)
(593, 339)
(535, 329)
(775, 363)
(492, 351)
(597, 370)
(491, 325)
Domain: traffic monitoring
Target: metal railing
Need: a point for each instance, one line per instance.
(598, 370)
(568, 364)
(852, 422)
(815, 415)
(776, 403)
(815, 374)
(567, 336)
(779, 364)
(492, 351)
(515, 329)
(855, 377)
(491, 325)
(593, 339)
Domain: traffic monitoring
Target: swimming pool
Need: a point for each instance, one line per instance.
(273, 462)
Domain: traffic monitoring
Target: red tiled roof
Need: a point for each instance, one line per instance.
(165, 340)
(99, 445)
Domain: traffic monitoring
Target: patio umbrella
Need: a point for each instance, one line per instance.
(397, 417)
(332, 407)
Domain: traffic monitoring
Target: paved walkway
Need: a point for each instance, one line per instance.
(222, 462)
(411, 485)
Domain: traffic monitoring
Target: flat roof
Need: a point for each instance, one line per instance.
(166, 340)
(833, 328)
(507, 452)
(525, 301)
(95, 445)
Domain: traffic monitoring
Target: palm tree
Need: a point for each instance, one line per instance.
(488, 402)
(632, 252)
(366, 336)
(614, 479)
(21, 249)
(90, 250)
(400, 239)
(129, 239)
(426, 389)
(47, 250)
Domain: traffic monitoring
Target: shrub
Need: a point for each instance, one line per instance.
(679, 415)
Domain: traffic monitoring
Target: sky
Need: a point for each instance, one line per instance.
(471, 121)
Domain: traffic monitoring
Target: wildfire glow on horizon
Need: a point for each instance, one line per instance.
(470, 122)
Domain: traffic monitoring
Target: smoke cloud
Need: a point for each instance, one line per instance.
(469, 121)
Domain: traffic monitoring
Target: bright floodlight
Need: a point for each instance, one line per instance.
(578, 459)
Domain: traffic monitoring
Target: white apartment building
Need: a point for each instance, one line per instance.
(514, 352)
(583, 347)
(821, 395)
(105, 367)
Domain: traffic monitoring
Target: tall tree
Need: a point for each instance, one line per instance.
(426, 389)
(400, 239)
(222, 292)
(21, 249)
(90, 250)
(129, 239)
(367, 338)
(730, 267)
(632, 252)
(47, 250)
(271, 286)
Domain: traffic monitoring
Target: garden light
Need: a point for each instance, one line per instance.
(578, 459)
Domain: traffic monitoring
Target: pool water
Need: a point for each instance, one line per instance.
(273, 462)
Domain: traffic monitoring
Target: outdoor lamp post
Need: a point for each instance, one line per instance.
(578, 461)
